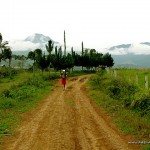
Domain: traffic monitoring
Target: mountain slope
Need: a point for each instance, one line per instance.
(39, 38)
(132, 61)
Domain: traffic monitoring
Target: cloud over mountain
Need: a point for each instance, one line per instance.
(39, 41)
(134, 48)
(31, 42)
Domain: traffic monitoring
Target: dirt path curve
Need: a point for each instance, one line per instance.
(67, 120)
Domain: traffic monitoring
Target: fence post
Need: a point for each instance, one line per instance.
(146, 82)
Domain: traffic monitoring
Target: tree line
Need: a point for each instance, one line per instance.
(89, 59)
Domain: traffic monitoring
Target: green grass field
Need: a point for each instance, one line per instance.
(130, 74)
(126, 103)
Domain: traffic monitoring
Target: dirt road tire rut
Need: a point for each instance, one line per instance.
(66, 120)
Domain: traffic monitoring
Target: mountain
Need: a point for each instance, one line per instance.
(135, 55)
(32, 42)
(131, 61)
(145, 43)
(39, 38)
(130, 55)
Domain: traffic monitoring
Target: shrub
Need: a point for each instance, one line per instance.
(142, 102)
(7, 103)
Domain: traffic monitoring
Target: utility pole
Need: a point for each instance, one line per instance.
(64, 44)
(82, 56)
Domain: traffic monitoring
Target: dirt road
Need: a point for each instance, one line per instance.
(67, 120)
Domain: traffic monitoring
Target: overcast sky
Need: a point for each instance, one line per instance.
(98, 23)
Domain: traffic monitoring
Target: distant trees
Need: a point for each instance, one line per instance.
(40, 60)
(21, 60)
(49, 49)
(5, 52)
(3, 46)
(89, 59)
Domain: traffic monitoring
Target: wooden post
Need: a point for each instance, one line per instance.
(146, 82)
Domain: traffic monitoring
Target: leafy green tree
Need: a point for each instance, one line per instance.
(57, 58)
(21, 60)
(78, 60)
(70, 59)
(7, 54)
(43, 62)
(107, 60)
(3, 45)
(49, 49)
(50, 46)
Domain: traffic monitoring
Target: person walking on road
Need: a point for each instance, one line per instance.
(63, 79)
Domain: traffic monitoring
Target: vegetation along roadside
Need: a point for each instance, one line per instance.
(21, 94)
(127, 103)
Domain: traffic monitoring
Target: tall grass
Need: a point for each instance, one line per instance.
(131, 73)
(127, 103)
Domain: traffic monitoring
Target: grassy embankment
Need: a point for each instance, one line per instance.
(19, 94)
(126, 102)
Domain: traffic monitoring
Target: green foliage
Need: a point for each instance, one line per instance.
(126, 103)
(121, 89)
(50, 46)
(6, 73)
(22, 96)
(142, 102)
(7, 103)
(90, 59)
(129, 94)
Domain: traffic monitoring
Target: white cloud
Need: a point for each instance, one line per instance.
(98, 23)
(140, 49)
(23, 45)
(136, 49)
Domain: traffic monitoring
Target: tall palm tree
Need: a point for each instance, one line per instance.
(50, 46)
(49, 49)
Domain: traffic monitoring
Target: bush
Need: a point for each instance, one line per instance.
(130, 95)
(142, 102)
(7, 103)
(121, 89)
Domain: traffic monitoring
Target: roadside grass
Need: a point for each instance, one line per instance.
(128, 119)
(79, 73)
(21, 94)
(131, 74)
